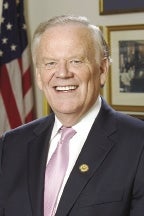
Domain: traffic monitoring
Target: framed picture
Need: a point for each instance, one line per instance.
(126, 80)
(120, 6)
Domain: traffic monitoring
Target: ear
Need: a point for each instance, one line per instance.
(104, 71)
(38, 78)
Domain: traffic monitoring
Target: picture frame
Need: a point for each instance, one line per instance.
(126, 78)
(107, 7)
(46, 109)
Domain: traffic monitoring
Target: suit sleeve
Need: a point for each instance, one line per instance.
(137, 204)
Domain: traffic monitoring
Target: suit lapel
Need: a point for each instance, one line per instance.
(37, 156)
(96, 148)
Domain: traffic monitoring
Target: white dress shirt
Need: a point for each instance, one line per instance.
(76, 143)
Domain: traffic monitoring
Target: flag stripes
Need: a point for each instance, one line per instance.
(16, 93)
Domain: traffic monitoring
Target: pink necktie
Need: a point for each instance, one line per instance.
(55, 171)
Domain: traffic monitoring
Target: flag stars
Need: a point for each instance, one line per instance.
(4, 40)
(24, 26)
(6, 5)
(9, 26)
(2, 19)
(1, 53)
(13, 47)
(17, 2)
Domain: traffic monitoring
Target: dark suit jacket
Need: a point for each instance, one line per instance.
(113, 185)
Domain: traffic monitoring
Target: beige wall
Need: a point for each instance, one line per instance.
(1, 1)
(39, 10)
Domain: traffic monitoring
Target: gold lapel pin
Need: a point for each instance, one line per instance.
(84, 168)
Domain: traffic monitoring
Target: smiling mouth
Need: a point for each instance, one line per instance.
(66, 88)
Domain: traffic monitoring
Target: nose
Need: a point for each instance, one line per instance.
(63, 70)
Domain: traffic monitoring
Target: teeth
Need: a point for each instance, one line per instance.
(65, 88)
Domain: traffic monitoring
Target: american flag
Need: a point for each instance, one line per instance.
(16, 94)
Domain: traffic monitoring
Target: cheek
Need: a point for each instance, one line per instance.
(38, 79)
(94, 83)
(42, 79)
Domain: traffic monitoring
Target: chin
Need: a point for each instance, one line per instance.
(66, 109)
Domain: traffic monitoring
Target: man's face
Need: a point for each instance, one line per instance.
(67, 71)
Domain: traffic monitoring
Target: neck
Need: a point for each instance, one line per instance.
(68, 120)
(71, 119)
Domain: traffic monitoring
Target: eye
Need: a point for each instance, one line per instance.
(50, 65)
(76, 62)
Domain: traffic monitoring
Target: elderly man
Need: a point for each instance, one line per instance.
(85, 159)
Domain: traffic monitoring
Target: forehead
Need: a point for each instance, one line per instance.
(76, 33)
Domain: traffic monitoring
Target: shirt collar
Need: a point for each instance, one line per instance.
(87, 120)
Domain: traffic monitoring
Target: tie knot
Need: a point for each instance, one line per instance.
(67, 133)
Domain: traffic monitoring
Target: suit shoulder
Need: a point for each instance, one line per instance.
(126, 118)
(31, 126)
(130, 123)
